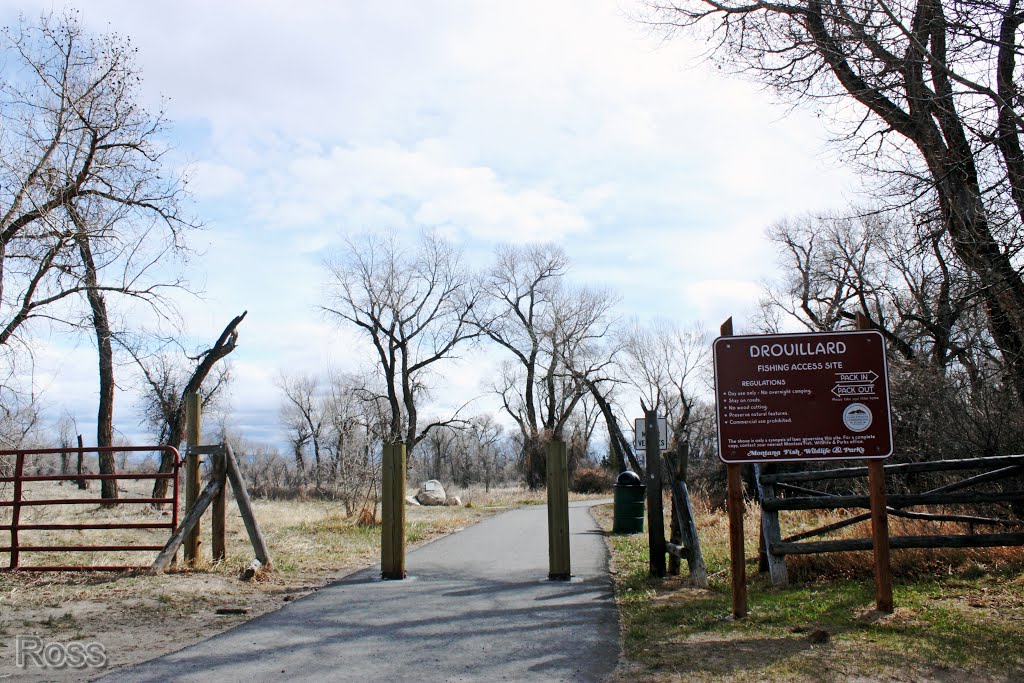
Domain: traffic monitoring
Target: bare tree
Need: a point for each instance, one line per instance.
(414, 305)
(667, 364)
(935, 89)
(900, 273)
(84, 190)
(552, 332)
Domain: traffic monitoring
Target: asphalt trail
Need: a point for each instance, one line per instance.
(477, 606)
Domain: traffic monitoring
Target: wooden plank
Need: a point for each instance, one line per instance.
(963, 519)
(901, 468)
(901, 542)
(803, 489)
(880, 538)
(559, 560)
(218, 523)
(186, 527)
(252, 527)
(841, 524)
(193, 420)
(1001, 473)
(896, 501)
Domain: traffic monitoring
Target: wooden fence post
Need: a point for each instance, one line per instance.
(559, 565)
(880, 537)
(771, 533)
(737, 551)
(19, 472)
(392, 546)
(193, 407)
(218, 542)
(82, 483)
(655, 507)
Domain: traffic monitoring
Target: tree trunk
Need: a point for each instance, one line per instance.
(105, 351)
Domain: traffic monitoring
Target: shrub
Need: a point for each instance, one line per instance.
(591, 480)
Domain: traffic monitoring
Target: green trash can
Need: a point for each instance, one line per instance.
(629, 504)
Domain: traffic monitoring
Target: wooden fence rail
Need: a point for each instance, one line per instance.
(776, 491)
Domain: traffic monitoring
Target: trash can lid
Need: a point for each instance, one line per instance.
(628, 478)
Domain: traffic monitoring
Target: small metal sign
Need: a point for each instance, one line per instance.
(640, 434)
(795, 397)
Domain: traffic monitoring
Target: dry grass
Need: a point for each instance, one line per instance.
(958, 611)
(904, 562)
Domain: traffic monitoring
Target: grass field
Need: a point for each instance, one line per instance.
(959, 614)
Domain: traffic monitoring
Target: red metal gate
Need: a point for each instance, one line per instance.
(17, 501)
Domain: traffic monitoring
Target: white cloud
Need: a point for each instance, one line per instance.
(522, 121)
(211, 179)
(716, 300)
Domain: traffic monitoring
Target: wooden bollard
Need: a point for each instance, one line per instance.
(392, 531)
(559, 565)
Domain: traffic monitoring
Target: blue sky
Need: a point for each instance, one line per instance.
(559, 120)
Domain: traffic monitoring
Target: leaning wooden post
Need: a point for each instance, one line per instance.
(879, 521)
(675, 535)
(184, 529)
(218, 544)
(737, 551)
(771, 533)
(655, 507)
(193, 407)
(559, 565)
(252, 527)
(392, 546)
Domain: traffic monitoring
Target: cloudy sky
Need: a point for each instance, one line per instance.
(493, 122)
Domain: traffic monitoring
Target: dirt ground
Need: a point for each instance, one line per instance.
(134, 616)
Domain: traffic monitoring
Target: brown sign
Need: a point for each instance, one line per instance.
(791, 397)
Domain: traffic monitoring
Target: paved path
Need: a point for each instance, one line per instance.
(476, 607)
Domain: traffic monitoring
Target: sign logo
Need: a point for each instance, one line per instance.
(857, 417)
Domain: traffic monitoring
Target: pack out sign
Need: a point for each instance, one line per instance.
(792, 397)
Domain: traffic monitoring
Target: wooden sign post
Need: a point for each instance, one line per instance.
(879, 522)
(737, 550)
(392, 530)
(559, 564)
